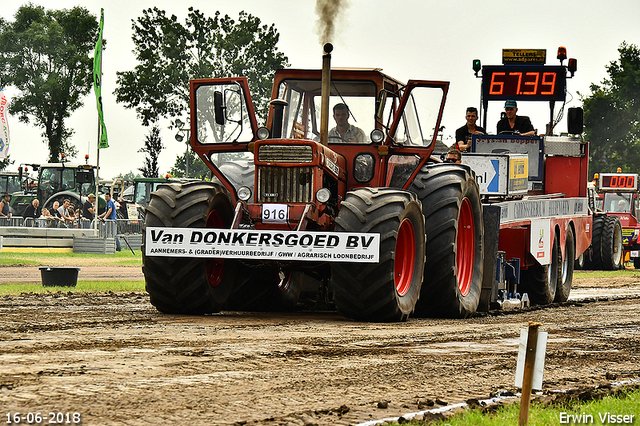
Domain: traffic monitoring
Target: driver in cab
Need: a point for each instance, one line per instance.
(515, 124)
(344, 131)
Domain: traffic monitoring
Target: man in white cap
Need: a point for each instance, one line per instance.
(516, 124)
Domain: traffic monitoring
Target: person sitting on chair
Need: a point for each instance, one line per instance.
(343, 130)
(516, 124)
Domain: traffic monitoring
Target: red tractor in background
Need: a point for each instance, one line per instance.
(620, 202)
(378, 226)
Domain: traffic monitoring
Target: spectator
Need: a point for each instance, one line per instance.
(54, 210)
(65, 213)
(88, 210)
(5, 210)
(32, 210)
(454, 156)
(110, 213)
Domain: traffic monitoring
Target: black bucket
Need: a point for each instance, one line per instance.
(61, 277)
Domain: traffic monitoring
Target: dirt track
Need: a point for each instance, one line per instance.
(114, 359)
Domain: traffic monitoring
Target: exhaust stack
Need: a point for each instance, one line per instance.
(326, 88)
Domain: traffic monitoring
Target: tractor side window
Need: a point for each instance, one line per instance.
(222, 114)
(417, 125)
(13, 184)
(141, 192)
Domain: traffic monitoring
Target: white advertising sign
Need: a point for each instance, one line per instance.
(540, 240)
(262, 244)
(514, 211)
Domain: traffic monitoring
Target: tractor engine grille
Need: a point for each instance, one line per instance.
(284, 184)
(285, 154)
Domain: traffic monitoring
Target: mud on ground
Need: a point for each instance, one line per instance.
(117, 361)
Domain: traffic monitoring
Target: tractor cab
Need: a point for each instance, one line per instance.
(392, 129)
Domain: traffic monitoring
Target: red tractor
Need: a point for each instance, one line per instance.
(371, 223)
(621, 228)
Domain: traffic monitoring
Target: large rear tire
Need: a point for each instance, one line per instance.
(541, 282)
(565, 279)
(185, 285)
(453, 221)
(386, 290)
(607, 243)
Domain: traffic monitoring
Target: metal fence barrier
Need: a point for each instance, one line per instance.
(107, 228)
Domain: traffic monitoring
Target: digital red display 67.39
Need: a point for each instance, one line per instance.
(523, 82)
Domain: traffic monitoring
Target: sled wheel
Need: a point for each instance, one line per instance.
(565, 279)
(388, 289)
(541, 282)
(187, 285)
(453, 221)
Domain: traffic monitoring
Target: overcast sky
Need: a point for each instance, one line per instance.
(419, 39)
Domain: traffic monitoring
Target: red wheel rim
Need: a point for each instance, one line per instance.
(405, 257)
(215, 267)
(465, 244)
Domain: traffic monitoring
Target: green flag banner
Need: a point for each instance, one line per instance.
(97, 83)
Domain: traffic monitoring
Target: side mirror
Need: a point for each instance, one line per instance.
(380, 102)
(218, 107)
(575, 121)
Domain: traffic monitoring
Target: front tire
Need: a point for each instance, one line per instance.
(453, 221)
(387, 290)
(186, 285)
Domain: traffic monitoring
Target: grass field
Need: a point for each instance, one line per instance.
(81, 287)
(122, 258)
(597, 412)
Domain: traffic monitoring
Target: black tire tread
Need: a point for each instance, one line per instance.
(179, 285)
(366, 291)
(441, 189)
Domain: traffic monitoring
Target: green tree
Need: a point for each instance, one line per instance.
(128, 177)
(197, 168)
(169, 54)
(6, 162)
(45, 54)
(152, 147)
(612, 115)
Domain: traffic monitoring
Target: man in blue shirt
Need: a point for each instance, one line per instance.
(110, 213)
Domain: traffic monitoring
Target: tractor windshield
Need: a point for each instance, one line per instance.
(363, 108)
(350, 101)
(618, 202)
(10, 184)
(57, 179)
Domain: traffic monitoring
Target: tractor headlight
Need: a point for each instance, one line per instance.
(376, 135)
(262, 133)
(363, 166)
(244, 193)
(323, 195)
